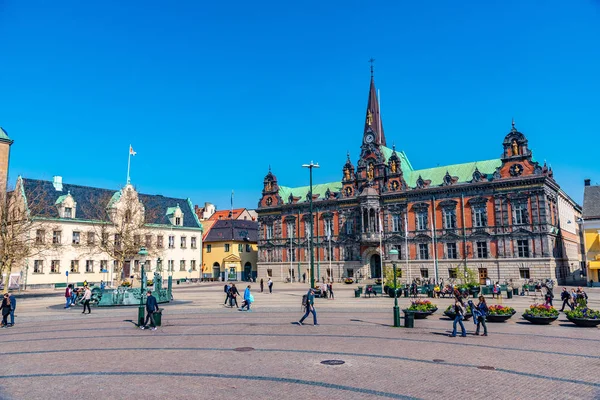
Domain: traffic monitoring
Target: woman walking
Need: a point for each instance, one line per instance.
(482, 309)
(5, 307)
(233, 293)
(459, 309)
(262, 285)
(87, 297)
(248, 298)
(331, 291)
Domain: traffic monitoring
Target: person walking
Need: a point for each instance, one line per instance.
(5, 307)
(573, 298)
(13, 307)
(270, 285)
(482, 312)
(565, 296)
(226, 289)
(310, 307)
(233, 294)
(324, 290)
(69, 295)
(549, 295)
(87, 297)
(262, 285)
(495, 290)
(304, 277)
(331, 291)
(459, 310)
(151, 308)
(248, 299)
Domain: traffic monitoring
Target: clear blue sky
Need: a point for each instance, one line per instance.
(210, 93)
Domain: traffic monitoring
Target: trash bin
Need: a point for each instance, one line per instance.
(509, 294)
(405, 292)
(409, 319)
(356, 293)
(158, 317)
(360, 288)
(515, 291)
(430, 293)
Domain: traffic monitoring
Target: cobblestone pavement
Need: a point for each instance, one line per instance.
(207, 351)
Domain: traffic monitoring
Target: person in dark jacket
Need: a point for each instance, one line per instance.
(483, 310)
(310, 307)
(226, 289)
(13, 307)
(5, 307)
(233, 294)
(565, 296)
(262, 285)
(459, 309)
(151, 308)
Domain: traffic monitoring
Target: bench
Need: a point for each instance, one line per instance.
(60, 285)
(373, 290)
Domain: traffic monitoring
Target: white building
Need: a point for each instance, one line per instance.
(94, 234)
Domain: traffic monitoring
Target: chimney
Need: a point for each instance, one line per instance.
(587, 182)
(57, 182)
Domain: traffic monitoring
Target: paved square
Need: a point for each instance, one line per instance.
(207, 351)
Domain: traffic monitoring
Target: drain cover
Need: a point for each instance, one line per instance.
(437, 360)
(333, 362)
(487, 367)
(243, 349)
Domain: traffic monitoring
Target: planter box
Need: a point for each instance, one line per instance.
(420, 314)
(540, 320)
(452, 315)
(499, 318)
(588, 323)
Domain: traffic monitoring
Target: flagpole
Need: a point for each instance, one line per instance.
(128, 164)
(406, 243)
(381, 250)
(329, 237)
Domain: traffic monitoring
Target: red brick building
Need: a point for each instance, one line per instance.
(504, 218)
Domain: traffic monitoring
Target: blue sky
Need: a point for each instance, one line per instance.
(211, 93)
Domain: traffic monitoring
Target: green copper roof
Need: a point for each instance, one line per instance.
(172, 210)
(4, 136)
(60, 199)
(464, 173)
(302, 191)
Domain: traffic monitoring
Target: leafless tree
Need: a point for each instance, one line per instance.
(23, 230)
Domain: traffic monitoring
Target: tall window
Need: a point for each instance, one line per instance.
(422, 220)
(91, 238)
(171, 265)
(171, 242)
(75, 266)
(137, 241)
(328, 228)
(451, 250)
(38, 266)
(396, 223)
(449, 218)
(424, 273)
(148, 241)
(520, 213)
(290, 229)
(55, 267)
(183, 241)
(56, 237)
(117, 241)
(349, 227)
(479, 217)
(240, 248)
(182, 265)
(482, 251)
(104, 266)
(269, 231)
(76, 237)
(193, 265)
(104, 240)
(423, 251)
(136, 266)
(248, 248)
(193, 242)
(208, 248)
(89, 266)
(159, 242)
(524, 273)
(68, 212)
(523, 247)
(178, 221)
(40, 234)
(226, 247)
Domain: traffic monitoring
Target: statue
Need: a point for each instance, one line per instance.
(370, 172)
(393, 166)
(268, 187)
(347, 174)
(515, 148)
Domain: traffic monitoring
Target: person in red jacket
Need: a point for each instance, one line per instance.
(69, 295)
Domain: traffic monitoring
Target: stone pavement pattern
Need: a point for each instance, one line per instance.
(53, 352)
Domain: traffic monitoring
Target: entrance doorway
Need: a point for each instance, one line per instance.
(483, 275)
(247, 271)
(126, 269)
(216, 271)
(375, 266)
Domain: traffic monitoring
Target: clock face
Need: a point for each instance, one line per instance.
(369, 138)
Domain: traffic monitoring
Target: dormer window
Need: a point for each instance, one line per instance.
(68, 212)
(178, 221)
(175, 215)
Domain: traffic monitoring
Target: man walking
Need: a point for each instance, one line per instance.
(13, 306)
(270, 285)
(87, 297)
(310, 307)
(226, 288)
(248, 298)
(459, 309)
(151, 308)
(565, 296)
(331, 290)
(69, 295)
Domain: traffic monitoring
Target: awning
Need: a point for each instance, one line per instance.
(594, 264)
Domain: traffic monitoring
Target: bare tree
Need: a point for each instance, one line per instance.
(23, 230)
(120, 227)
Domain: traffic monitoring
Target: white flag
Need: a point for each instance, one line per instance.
(133, 153)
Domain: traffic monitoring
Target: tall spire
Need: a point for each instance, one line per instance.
(373, 119)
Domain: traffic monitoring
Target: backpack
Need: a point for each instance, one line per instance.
(305, 301)
(226, 288)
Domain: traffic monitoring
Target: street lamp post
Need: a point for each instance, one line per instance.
(310, 245)
(143, 253)
(393, 253)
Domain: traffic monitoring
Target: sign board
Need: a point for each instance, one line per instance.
(67, 273)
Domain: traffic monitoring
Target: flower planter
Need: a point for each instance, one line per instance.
(585, 322)
(420, 314)
(452, 315)
(348, 281)
(499, 317)
(540, 320)
(474, 291)
(390, 292)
